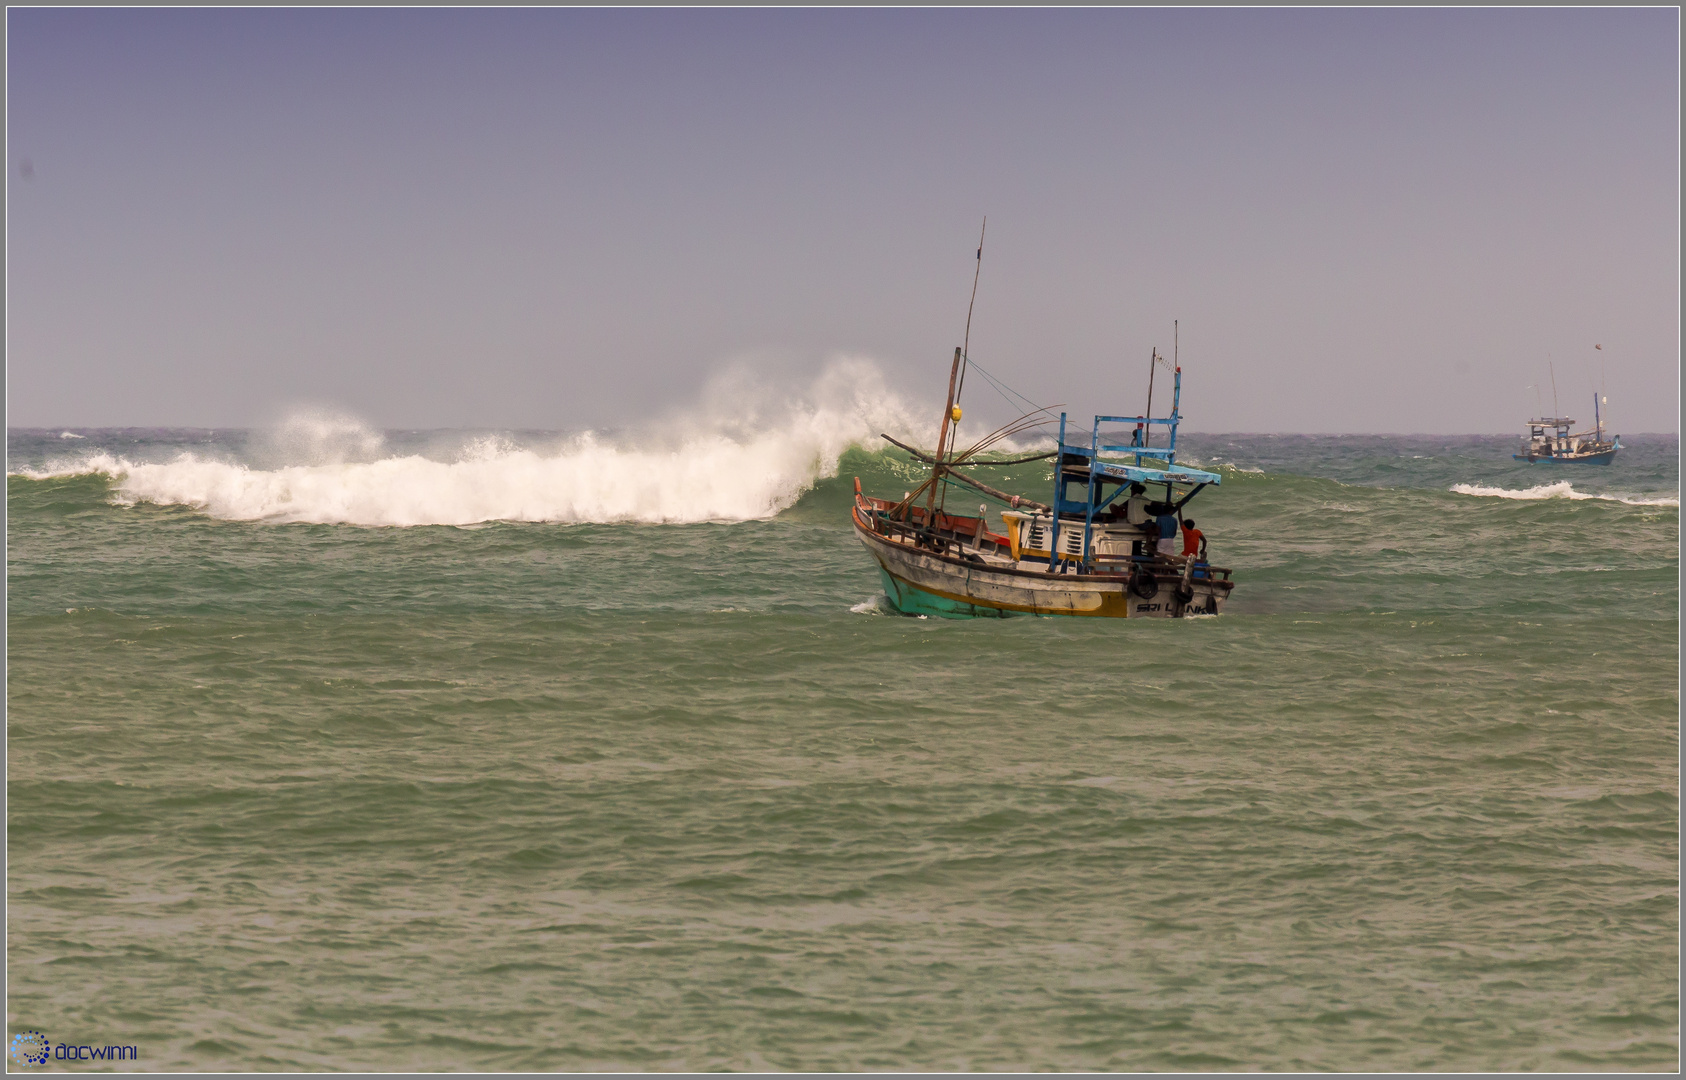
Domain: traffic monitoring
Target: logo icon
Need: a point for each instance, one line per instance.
(31, 1048)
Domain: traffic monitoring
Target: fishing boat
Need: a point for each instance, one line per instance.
(1087, 552)
(1553, 439)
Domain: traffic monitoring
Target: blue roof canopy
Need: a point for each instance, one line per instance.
(1176, 474)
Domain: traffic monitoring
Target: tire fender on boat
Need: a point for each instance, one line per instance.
(1144, 584)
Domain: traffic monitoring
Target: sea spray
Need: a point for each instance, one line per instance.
(316, 436)
(746, 454)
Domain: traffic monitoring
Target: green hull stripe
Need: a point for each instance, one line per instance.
(911, 600)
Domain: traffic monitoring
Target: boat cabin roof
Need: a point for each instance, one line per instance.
(1142, 474)
(1177, 474)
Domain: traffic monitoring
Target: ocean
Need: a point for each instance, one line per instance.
(334, 748)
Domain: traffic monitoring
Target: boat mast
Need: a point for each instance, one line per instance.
(942, 439)
(1147, 429)
(1603, 387)
(951, 409)
(1176, 394)
(966, 342)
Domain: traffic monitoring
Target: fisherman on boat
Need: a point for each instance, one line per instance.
(1167, 519)
(1135, 513)
(1194, 541)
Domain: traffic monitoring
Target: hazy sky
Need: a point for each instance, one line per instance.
(1364, 220)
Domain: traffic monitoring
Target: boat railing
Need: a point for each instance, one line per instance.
(949, 527)
(1161, 564)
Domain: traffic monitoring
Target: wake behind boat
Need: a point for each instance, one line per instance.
(1105, 545)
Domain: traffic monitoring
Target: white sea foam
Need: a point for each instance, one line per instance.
(71, 435)
(745, 454)
(1563, 489)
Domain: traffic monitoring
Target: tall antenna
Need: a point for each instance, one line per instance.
(1553, 369)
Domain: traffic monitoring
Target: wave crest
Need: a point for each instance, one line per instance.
(1563, 489)
(725, 463)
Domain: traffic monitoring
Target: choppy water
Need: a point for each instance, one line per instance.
(298, 780)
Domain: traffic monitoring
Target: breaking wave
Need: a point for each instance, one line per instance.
(745, 454)
(1560, 490)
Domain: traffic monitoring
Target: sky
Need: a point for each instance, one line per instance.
(1394, 220)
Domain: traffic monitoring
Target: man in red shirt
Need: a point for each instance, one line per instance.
(1194, 541)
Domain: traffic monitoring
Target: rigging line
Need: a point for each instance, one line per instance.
(1008, 394)
(1039, 425)
(1002, 385)
(1003, 394)
(1003, 389)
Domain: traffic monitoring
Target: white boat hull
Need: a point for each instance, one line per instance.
(923, 582)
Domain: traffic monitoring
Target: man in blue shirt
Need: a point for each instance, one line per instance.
(1167, 531)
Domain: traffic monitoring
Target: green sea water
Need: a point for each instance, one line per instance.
(527, 753)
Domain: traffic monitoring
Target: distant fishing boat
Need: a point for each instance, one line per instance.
(1087, 552)
(1553, 439)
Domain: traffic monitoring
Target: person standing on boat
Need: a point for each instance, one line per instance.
(1136, 508)
(1136, 515)
(1194, 541)
(1167, 531)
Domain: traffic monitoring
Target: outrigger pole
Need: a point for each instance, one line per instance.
(996, 493)
(945, 466)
